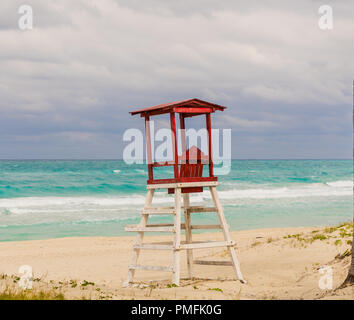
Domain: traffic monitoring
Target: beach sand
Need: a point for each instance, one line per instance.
(277, 264)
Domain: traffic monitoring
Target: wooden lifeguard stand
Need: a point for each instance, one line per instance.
(188, 178)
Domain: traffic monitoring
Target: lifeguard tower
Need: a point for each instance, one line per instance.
(187, 178)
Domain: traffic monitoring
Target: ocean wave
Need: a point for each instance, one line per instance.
(141, 171)
(15, 205)
(34, 210)
(335, 188)
(341, 183)
(32, 202)
(5, 211)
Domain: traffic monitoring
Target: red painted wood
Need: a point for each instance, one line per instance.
(174, 143)
(182, 125)
(148, 147)
(210, 146)
(186, 190)
(190, 179)
(193, 154)
(188, 167)
(192, 110)
(166, 107)
(161, 181)
(189, 112)
(163, 164)
(155, 112)
(196, 179)
(189, 170)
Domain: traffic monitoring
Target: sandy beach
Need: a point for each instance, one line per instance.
(277, 264)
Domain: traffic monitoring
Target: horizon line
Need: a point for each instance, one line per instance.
(119, 159)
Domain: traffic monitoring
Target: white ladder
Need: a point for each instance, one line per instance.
(176, 227)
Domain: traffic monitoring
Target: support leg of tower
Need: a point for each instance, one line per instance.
(187, 220)
(139, 237)
(225, 229)
(177, 238)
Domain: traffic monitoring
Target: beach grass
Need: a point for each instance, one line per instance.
(17, 294)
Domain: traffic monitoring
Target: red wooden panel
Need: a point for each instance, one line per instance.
(190, 179)
(161, 181)
(193, 155)
(194, 171)
(163, 164)
(192, 110)
(183, 171)
(182, 125)
(200, 170)
(211, 165)
(192, 189)
(155, 112)
(174, 143)
(166, 107)
(148, 147)
(187, 190)
(196, 179)
(191, 170)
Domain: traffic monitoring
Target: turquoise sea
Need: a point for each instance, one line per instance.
(56, 198)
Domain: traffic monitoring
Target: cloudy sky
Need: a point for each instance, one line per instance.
(67, 85)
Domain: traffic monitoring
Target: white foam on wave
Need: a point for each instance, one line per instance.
(141, 171)
(341, 183)
(336, 188)
(67, 202)
(32, 210)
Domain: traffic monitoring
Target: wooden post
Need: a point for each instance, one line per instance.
(174, 143)
(177, 239)
(210, 149)
(225, 230)
(148, 147)
(188, 227)
(139, 237)
(183, 133)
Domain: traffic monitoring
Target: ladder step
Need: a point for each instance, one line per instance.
(137, 228)
(182, 185)
(206, 226)
(171, 210)
(213, 263)
(202, 209)
(151, 268)
(159, 210)
(171, 225)
(211, 244)
(183, 226)
(153, 246)
(183, 246)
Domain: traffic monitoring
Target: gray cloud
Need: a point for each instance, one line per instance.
(67, 85)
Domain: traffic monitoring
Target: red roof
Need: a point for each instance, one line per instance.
(167, 107)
